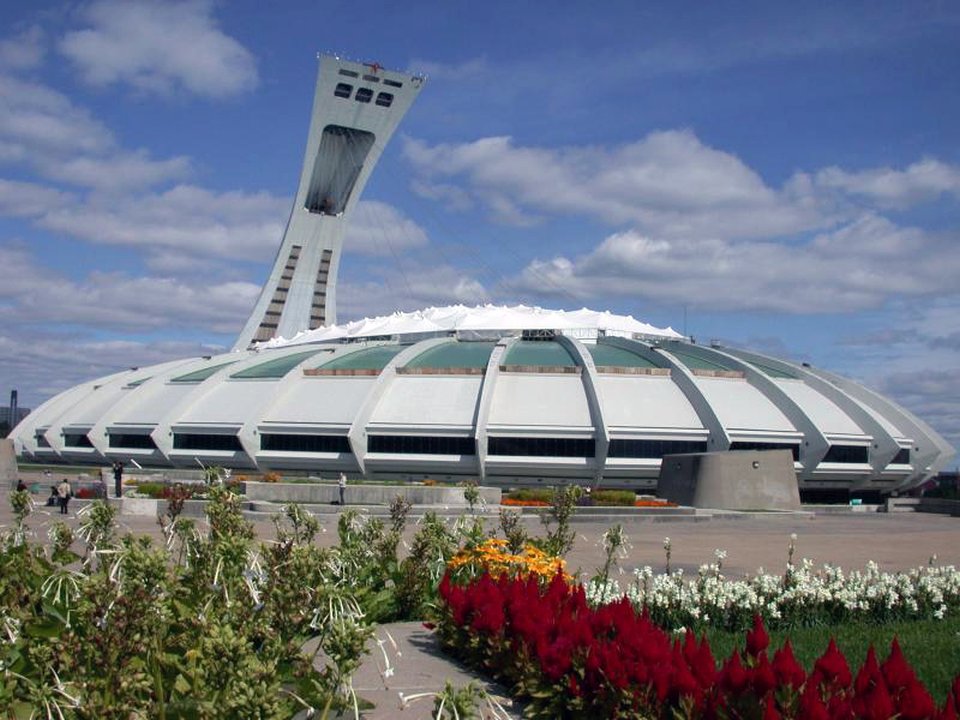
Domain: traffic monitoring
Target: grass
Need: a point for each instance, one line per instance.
(931, 646)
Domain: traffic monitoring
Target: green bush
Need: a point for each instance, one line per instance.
(541, 494)
(613, 498)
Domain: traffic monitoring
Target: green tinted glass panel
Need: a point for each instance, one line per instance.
(274, 368)
(764, 368)
(538, 352)
(454, 355)
(201, 374)
(611, 356)
(373, 358)
(137, 383)
(695, 362)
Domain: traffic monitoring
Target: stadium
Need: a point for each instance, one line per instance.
(503, 395)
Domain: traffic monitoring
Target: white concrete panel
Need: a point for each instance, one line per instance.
(522, 399)
(323, 400)
(149, 405)
(631, 401)
(740, 406)
(429, 400)
(884, 421)
(96, 404)
(826, 415)
(232, 402)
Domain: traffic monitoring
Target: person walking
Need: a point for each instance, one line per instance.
(64, 492)
(342, 484)
(118, 478)
(21, 485)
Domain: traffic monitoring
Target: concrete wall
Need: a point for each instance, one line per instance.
(362, 494)
(8, 466)
(738, 480)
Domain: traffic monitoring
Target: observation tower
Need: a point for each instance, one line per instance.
(356, 108)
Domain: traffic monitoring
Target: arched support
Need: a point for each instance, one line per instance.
(486, 400)
(594, 402)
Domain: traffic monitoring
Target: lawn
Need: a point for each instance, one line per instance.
(931, 646)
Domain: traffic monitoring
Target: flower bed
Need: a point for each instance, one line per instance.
(568, 659)
(801, 596)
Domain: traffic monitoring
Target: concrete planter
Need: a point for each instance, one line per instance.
(363, 494)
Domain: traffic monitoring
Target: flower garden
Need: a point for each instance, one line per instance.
(212, 623)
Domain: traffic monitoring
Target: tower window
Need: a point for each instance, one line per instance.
(385, 99)
(343, 90)
(348, 73)
(363, 95)
(392, 83)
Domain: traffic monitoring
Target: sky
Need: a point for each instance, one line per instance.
(778, 176)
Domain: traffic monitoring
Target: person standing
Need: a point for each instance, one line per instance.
(21, 485)
(118, 478)
(342, 484)
(64, 492)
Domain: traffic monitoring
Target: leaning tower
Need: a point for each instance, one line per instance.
(356, 108)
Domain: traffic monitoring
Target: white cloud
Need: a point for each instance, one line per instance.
(188, 219)
(413, 288)
(34, 295)
(853, 268)
(25, 199)
(24, 51)
(379, 229)
(159, 47)
(44, 130)
(667, 184)
(922, 181)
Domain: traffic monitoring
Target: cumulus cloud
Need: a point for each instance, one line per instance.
(888, 187)
(188, 220)
(117, 301)
(413, 289)
(850, 269)
(379, 229)
(24, 51)
(43, 130)
(159, 47)
(668, 183)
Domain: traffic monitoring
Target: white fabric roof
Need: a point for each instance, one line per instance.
(481, 318)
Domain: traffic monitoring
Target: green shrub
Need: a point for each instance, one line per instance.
(541, 494)
(617, 498)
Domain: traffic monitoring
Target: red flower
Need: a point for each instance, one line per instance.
(787, 669)
(733, 678)
(757, 638)
(770, 709)
(762, 677)
(949, 711)
(832, 667)
(896, 670)
(811, 706)
(874, 704)
(869, 673)
(915, 703)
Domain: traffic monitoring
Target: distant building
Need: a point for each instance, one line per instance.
(9, 417)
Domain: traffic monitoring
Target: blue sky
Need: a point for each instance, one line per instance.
(779, 176)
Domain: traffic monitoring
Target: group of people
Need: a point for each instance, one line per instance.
(60, 494)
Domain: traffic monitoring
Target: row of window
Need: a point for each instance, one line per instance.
(363, 95)
(371, 78)
(460, 445)
(652, 449)
(793, 448)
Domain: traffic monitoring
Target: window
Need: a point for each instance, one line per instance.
(371, 78)
(542, 447)
(195, 441)
(421, 445)
(138, 442)
(794, 449)
(392, 83)
(42, 440)
(363, 95)
(385, 99)
(281, 442)
(902, 457)
(653, 449)
(349, 73)
(846, 454)
(77, 440)
(343, 90)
